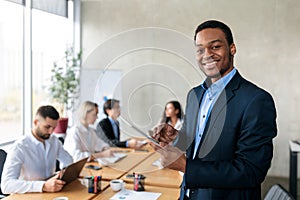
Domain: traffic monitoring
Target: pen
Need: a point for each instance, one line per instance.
(91, 184)
(95, 184)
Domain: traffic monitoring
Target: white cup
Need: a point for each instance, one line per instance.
(117, 184)
(61, 198)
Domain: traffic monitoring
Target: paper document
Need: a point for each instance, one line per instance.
(110, 160)
(133, 195)
(158, 164)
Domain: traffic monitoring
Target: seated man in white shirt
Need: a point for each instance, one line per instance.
(32, 159)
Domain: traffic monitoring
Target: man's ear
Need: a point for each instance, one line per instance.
(232, 49)
(35, 121)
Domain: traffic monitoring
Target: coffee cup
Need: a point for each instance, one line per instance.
(117, 184)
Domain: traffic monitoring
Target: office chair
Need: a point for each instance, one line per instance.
(2, 161)
(277, 192)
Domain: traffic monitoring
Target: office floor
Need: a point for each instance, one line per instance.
(271, 180)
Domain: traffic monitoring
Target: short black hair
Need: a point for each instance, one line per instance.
(47, 111)
(109, 104)
(216, 24)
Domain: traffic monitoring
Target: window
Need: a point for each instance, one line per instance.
(11, 76)
(50, 36)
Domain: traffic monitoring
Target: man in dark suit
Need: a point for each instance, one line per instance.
(108, 128)
(225, 143)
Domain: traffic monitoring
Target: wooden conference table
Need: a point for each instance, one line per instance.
(74, 190)
(166, 193)
(164, 181)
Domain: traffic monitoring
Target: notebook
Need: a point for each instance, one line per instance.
(72, 171)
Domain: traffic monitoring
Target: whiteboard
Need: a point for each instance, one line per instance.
(97, 85)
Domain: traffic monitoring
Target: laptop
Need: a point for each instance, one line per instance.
(72, 171)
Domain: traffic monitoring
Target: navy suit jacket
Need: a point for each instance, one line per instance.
(236, 148)
(106, 127)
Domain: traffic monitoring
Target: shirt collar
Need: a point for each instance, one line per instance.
(218, 86)
(33, 139)
(111, 120)
(36, 141)
(82, 127)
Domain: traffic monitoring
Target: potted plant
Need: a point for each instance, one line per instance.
(64, 89)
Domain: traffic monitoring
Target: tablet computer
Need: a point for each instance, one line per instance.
(142, 132)
(72, 171)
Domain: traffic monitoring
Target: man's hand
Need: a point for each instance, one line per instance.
(173, 158)
(53, 184)
(164, 133)
(132, 143)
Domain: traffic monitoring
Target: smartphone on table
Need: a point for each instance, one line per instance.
(94, 167)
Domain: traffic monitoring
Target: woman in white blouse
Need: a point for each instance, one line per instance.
(82, 140)
(173, 114)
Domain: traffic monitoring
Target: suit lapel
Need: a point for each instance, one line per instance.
(118, 129)
(194, 101)
(110, 129)
(217, 117)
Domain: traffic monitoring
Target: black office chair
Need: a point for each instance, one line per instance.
(2, 161)
(277, 192)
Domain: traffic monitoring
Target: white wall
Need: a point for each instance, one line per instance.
(158, 63)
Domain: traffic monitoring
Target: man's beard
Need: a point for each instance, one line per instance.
(223, 70)
(41, 135)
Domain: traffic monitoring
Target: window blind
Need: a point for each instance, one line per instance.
(58, 7)
(22, 2)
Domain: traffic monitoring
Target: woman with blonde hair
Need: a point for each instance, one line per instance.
(82, 140)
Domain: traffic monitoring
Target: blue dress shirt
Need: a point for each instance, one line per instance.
(115, 127)
(209, 98)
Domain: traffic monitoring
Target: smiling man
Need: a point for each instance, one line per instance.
(214, 53)
(226, 139)
(32, 159)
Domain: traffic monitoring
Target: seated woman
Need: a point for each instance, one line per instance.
(82, 140)
(173, 115)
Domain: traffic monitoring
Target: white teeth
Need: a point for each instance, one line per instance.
(211, 63)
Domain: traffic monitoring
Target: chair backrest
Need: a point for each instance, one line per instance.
(277, 192)
(2, 161)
